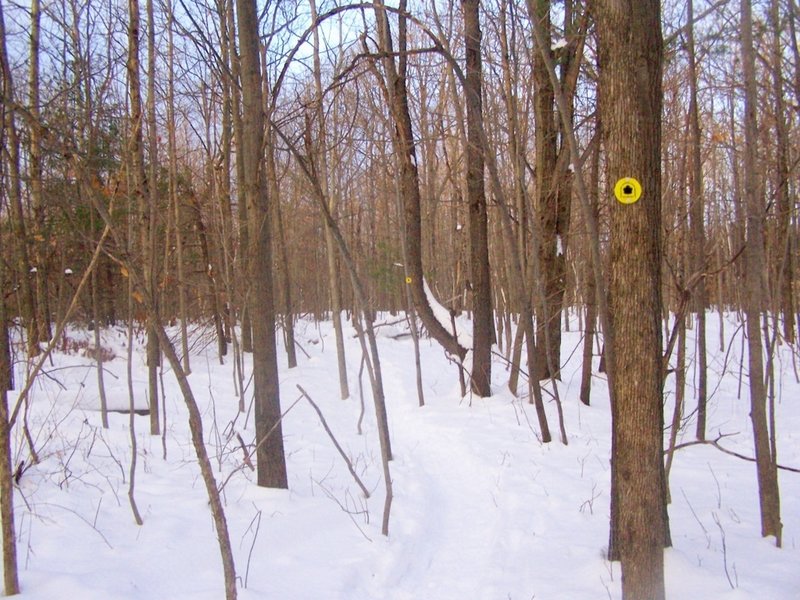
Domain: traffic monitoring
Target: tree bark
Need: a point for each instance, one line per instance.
(548, 312)
(630, 55)
(10, 569)
(755, 284)
(270, 455)
(482, 321)
(151, 233)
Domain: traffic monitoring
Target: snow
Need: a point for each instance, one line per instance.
(442, 315)
(559, 44)
(482, 509)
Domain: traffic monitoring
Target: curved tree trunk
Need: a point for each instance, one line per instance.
(409, 181)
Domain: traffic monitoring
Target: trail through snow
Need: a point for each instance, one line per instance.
(482, 509)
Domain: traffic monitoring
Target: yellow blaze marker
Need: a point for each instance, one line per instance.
(408, 279)
(627, 190)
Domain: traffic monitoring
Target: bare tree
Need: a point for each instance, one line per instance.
(174, 204)
(10, 570)
(755, 284)
(270, 455)
(150, 255)
(698, 234)
(482, 320)
(37, 200)
(785, 248)
(334, 285)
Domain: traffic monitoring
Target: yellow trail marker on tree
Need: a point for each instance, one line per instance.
(627, 190)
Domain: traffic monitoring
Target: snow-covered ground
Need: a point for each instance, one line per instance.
(482, 509)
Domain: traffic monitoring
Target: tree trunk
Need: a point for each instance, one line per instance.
(282, 262)
(10, 570)
(630, 55)
(548, 311)
(43, 332)
(334, 283)
(270, 455)
(404, 146)
(590, 296)
(785, 267)
(243, 279)
(151, 234)
(698, 235)
(14, 186)
(755, 284)
(482, 320)
(174, 202)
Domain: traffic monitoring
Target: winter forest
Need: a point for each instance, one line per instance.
(417, 299)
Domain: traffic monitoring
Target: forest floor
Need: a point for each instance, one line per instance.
(482, 509)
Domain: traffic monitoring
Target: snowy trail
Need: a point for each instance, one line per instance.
(453, 515)
(445, 493)
(482, 509)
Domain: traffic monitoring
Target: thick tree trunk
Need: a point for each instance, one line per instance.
(482, 321)
(548, 308)
(270, 455)
(630, 55)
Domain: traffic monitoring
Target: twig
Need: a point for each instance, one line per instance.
(696, 518)
(335, 443)
(249, 457)
(246, 460)
(257, 520)
(350, 513)
(361, 395)
(724, 550)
